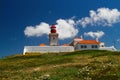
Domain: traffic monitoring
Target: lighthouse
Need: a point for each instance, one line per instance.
(53, 36)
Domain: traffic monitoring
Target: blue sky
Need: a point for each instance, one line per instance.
(17, 15)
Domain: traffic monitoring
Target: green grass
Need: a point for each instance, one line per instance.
(78, 65)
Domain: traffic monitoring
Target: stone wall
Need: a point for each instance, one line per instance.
(46, 49)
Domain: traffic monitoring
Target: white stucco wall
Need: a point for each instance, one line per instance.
(112, 48)
(45, 49)
(78, 47)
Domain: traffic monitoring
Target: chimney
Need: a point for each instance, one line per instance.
(97, 39)
(81, 37)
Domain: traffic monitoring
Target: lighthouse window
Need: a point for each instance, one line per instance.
(53, 37)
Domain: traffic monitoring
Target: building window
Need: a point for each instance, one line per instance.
(83, 46)
(102, 45)
(94, 46)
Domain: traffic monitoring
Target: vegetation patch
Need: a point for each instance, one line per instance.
(78, 65)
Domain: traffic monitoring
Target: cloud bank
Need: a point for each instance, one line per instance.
(97, 34)
(101, 17)
(65, 28)
(38, 30)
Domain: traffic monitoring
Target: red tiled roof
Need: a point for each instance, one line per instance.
(42, 45)
(65, 44)
(88, 42)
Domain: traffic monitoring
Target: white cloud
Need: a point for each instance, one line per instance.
(65, 28)
(101, 17)
(118, 40)
(38, 30)
(97, 34)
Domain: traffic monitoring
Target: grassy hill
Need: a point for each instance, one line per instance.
(79, 65)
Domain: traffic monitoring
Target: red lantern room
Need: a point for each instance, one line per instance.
(53, 29)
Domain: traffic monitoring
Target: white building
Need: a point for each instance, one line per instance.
(81, 44)
(89, 45)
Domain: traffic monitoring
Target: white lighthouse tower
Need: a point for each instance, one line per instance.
(53, 36)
